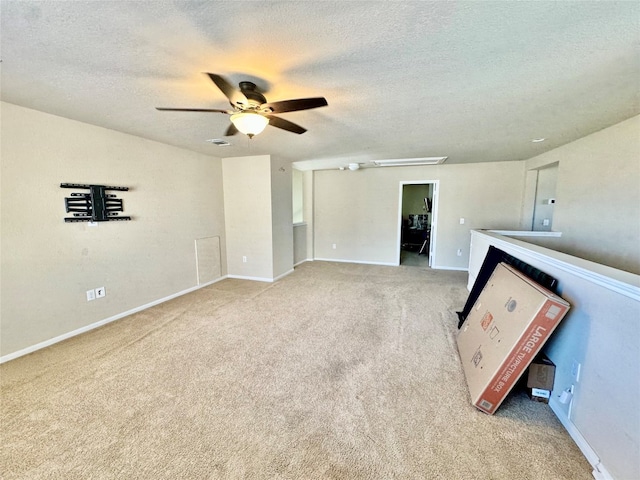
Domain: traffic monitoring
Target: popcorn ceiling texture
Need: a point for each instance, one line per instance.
(337, 371)
(475, 81)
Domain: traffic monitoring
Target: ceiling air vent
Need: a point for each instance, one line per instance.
(402, 162)
(219, 142)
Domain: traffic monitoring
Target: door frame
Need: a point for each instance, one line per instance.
(434, 217)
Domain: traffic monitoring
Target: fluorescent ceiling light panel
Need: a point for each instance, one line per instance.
(401, 162)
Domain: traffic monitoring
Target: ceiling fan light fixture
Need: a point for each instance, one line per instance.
(249, 123)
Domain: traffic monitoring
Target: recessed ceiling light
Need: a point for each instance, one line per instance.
(538, 140)
(401, 162)
(219, 142)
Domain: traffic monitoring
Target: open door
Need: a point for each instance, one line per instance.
(417, 223)
(434, 223)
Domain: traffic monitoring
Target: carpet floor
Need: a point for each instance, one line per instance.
(337, 371)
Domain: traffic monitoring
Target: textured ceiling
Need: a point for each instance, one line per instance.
(475, 81)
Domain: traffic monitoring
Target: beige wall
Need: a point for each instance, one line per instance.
(47, 264)
(598, 196)
(177, 196)
(299, 243)
(358, 211)
(303, 219)
(247, 209)
(297, 195)
(258, 214)
(308, 201)
(281, 220)
(597, 203)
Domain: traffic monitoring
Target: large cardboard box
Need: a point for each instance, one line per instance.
(506, 328)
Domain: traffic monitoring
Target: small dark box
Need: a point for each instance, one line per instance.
(540, 379)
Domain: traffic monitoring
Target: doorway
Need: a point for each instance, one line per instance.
(417, 223)
(545, 198)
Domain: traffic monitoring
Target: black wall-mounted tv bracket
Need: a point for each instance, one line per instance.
(95, 206)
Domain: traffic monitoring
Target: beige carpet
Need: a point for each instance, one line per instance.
(337, 371)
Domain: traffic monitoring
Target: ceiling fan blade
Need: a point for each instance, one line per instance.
(285, 124)
(164, 109)
(294, 105)
(232, 130)
(234, 95)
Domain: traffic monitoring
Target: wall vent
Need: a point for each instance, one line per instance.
(218, 142)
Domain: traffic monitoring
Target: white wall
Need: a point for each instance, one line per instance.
(598, 196)
(358, 211)
(47, 264)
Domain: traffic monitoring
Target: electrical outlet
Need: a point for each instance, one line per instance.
(100, 292)
(459, 252)
(333, 246)
(91, 295)
(566, 396)
(462, 221)
(244, 259)
(545, 222)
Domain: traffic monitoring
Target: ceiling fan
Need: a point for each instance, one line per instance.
(251, 112)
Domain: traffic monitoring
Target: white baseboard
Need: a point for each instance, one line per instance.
(302, 261)
(283, 275)
(261, 279)
(456, 269)
(254, 279)
(100, 323)
(386, 264)
(599, 471)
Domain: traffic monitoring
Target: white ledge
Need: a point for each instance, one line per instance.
(525, 233)
(625, 283)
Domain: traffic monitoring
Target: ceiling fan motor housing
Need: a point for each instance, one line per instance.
(250, 91)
